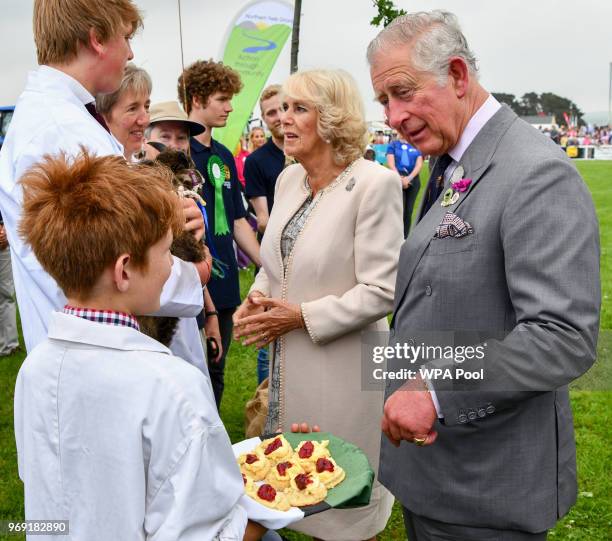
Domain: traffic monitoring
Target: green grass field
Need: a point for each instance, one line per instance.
(591, 517)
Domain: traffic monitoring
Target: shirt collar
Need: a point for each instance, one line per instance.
(274, 147)
(196, 146)
(475, 124)
(75, 329)
(60, 78)
(108, 317)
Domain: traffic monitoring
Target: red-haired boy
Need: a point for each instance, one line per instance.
(114, 434)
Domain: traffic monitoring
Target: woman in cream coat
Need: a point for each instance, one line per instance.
(329, 262)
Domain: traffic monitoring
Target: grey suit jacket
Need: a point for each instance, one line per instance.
(505, 456)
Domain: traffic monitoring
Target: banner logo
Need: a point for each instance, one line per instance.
(254, 41)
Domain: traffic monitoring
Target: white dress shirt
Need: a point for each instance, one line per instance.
(50, 117)
(472, 128)
(122, 439)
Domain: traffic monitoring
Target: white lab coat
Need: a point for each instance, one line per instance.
(50, 117)
(122, 439)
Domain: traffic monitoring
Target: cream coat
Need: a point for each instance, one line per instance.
(342, 272)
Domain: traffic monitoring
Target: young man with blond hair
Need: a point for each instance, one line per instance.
(114, 434)
(262, 167)
(83, 47)
(206, 89)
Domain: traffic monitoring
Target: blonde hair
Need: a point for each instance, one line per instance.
(135, 79)
(269, 92)
(61, 25)
(341, 118)
(251, 134)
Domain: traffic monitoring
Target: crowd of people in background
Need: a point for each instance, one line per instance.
(585, 135)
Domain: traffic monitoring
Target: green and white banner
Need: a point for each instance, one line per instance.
(254, 40)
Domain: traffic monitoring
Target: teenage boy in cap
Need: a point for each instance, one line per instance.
(205, 89)
(169, 127)
(83, 47)
(114, 434)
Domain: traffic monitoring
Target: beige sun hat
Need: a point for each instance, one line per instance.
(171, 111)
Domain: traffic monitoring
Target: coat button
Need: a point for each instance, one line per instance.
(471, 415)
(428, 290)
(481, 412)
(463, 418)
(490, 408)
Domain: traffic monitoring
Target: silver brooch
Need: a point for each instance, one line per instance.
(350, 184)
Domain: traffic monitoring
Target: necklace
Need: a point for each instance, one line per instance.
(343, 174)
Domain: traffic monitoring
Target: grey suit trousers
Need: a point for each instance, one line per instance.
(424, 529)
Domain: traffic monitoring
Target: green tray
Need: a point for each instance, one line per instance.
(356, 488)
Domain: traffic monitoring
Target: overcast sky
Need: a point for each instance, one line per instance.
(560, 46)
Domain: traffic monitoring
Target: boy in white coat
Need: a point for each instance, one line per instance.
(114, 434)
(82, 48)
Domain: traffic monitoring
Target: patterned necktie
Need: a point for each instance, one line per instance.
(436, 182)
(91, 107)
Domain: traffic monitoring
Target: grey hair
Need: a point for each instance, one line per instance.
(135, 79)
(434, 37)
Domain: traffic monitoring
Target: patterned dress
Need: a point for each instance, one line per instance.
(288, 238)
(291, 232)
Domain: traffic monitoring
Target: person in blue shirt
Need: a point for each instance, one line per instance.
(407, 161)
(205, 90)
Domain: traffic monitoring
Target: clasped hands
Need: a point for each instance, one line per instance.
(410, 414)
(406, 181)
(260, 320)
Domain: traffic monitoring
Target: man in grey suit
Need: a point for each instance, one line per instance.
(506, 247)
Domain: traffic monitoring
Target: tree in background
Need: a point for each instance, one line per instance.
(530, 104)
(546, 103)
(386, 12)
(557, 105)
(509, 99)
